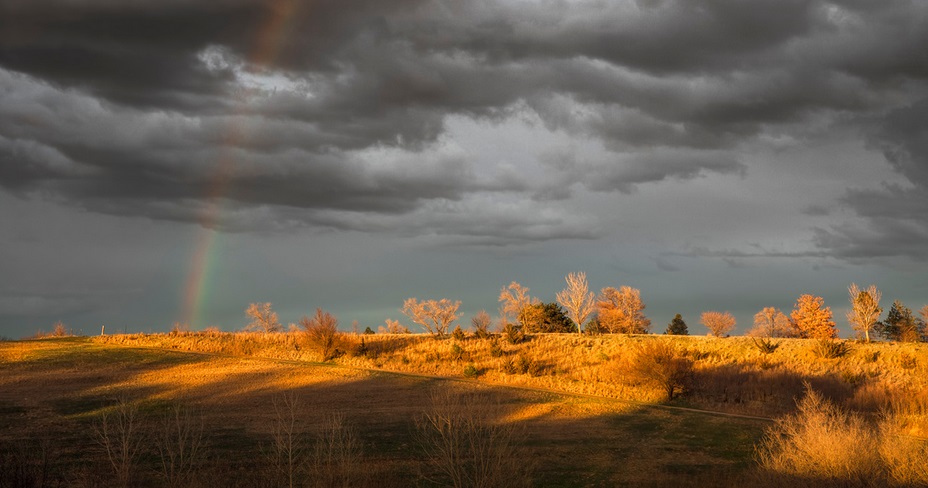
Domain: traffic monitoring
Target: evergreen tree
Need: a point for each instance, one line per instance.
(900, 324)
(547, 317)
(677, 326)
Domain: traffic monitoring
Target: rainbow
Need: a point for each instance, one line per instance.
(196, 288)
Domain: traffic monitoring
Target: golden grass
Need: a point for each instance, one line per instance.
(57, 389)
(731, 374)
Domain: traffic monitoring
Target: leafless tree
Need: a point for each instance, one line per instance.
(337, 455)
(481, 323)
(119, 432)
(577, 299)
(287, 453)
(622, 311)
(771, 322)
(322, 333)
(514, 301)
(718, 323)
(468, 444)
(865, 308)
(433, 315)
(395, 327)
(180, 444)
(262, 318)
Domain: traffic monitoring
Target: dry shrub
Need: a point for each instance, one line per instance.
(119, 432)
(905, 457)
(467, 444)
(822, 442)
(663, 365)
(181, 445)
(322, 335)
(29, 463)
(338, 456)
(830, 349)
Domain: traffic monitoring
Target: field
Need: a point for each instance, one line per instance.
(552, 411)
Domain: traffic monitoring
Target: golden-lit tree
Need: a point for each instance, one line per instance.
(577, 299)
(865, 309)
(433, 315)
(718, 323)
(771, 322)
(813, 319)
(322, 333)
(263, 319)
(622, 311)
(515, 303)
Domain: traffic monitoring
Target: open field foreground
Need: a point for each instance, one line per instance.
(258, 410)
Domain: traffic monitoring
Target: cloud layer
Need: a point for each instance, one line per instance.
(287, 114)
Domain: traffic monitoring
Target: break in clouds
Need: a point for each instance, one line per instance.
(349, 114)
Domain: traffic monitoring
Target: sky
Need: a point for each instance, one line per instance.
(174, 161)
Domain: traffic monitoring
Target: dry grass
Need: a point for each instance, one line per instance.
(57, 389)
(829, 446)
(731, 375)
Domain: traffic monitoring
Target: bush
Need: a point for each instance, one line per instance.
(458, 334)
(322, 335)
(466, 443)
(513, 333)
(660, 363)
(765, 346)
(830, 349)
(822, 442)
(471, 371)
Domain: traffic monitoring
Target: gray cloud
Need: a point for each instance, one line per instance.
(330, 114)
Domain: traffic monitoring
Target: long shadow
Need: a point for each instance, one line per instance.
(562, 439)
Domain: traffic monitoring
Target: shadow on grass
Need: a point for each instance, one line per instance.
(566, 441)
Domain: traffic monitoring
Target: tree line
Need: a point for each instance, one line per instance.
(621, 311)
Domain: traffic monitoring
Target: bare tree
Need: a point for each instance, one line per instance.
(262, 318)
(718, 323)
(395, 327)
(180, 444)
(119, 432)
(287, 450)
(322, 333)
(622, 311)
(515, 302)
(577, 299)
(433, 315)
(481, 323)
(865, 308)
(337, 455)
(771, 322)
(467, 444)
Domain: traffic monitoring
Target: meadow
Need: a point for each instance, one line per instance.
(414, 410)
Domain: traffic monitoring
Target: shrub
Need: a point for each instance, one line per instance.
(495, 349)
(471, 371)
(830, 349)
(663, 365)
(822, 442)
(481, 323)
(466, 444)
(321, 334)
(458, 334)
(513, 333)
(457, 352)
(765, 346)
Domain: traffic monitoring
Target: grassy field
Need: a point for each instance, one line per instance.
(244, 391)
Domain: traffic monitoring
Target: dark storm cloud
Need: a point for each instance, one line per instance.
(150, 108)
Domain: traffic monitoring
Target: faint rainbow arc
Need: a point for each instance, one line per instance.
(197, 284)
